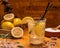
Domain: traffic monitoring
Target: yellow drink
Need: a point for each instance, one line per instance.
(36, 34)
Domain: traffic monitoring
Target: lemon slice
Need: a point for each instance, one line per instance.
(9, 16)
(17, 32)
(39, 28)
(27, 19)
(17, 21)
(7, 25)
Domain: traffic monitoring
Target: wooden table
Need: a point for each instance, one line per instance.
(24, 41)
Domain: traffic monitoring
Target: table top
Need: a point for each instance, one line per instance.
(24, 41)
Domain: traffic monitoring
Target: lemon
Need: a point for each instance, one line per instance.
(2, 21)
(7, 25)
(27, 20)
(9, 16)
(17, 32)
(17, 21)
(39, 28)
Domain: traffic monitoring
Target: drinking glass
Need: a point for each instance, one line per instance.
(37, 31)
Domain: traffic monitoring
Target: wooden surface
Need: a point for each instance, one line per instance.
(24, 41)
(35, 8)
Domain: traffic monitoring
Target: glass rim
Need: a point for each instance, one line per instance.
(41, 20)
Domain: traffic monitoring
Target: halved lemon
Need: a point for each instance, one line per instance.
(17, 32)
(9, 16)
(17, 21)
(27, 19)
(7, 25)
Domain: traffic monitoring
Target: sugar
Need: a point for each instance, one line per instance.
(52, 30)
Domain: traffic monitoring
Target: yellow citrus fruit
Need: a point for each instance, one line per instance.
(9, 16)
(17, 32)
(17, 21)
(27, 19)
(2, 21)
(39, 28)
(7, 25)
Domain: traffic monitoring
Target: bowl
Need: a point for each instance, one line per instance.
(3, 31)
(50, 32)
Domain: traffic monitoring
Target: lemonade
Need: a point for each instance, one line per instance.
(36, 34)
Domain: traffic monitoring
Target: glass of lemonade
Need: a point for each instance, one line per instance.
(37, 31)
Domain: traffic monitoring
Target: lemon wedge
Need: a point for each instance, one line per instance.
(17, 32)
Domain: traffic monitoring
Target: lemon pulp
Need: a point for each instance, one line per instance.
(17, 32)
(9, 16)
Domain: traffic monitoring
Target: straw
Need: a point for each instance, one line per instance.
(57, 27)
(47, 8)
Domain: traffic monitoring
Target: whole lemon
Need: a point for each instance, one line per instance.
(2, 21)
(7, 25)
(17, 21)
(17, 32)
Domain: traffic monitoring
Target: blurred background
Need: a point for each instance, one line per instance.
(35, 9)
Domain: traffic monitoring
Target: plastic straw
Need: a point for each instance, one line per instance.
(47, 8)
